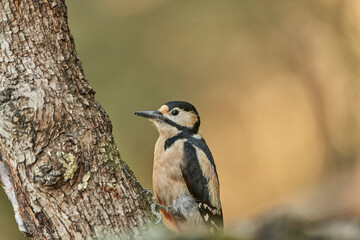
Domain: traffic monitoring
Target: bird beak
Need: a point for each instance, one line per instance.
(149, 114)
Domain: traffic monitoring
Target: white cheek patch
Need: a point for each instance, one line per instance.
(186, 119)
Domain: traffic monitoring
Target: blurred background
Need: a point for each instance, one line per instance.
(276, 84)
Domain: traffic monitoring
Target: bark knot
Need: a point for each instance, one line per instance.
(46, 173)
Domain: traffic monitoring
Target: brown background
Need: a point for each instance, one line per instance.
(275, 82)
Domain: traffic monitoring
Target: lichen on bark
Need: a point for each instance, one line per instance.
(69, 163)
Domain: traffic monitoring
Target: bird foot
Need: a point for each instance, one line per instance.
(146, 191)
(154, 205)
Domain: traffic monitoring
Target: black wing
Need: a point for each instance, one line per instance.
(198, 184)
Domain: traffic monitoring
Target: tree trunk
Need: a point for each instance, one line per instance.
(59, 164)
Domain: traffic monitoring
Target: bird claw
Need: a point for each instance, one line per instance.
(157, 214)
(154, 205)
(146, 191)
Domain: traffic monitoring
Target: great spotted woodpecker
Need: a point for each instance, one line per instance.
(185, 181)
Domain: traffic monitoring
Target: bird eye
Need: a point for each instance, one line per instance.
(174, 112)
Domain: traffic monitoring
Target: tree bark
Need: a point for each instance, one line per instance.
(59, 164)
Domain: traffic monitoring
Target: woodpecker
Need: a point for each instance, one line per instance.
(185, 181)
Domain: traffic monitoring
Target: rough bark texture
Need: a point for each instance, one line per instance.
(59, 164)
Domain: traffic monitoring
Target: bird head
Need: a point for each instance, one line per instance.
(175, 116)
